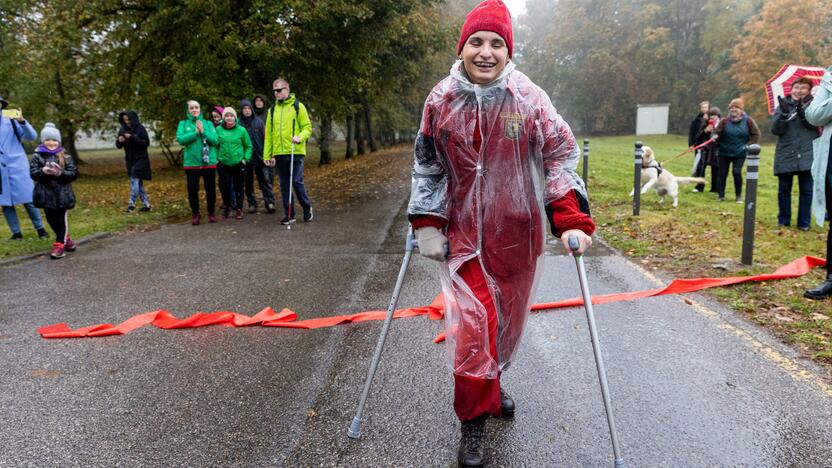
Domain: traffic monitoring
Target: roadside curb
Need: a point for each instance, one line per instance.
(23, 258)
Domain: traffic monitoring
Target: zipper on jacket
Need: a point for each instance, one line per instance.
(281, 129)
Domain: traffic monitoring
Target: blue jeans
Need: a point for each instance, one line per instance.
(14, 224)
(137, 191)
(784, 199)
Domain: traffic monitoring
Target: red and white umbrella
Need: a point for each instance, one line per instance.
(781, 83)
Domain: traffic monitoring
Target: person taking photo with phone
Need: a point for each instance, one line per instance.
(53, 171)
(15, 184)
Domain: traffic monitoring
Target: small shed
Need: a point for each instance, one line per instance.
(652, 119)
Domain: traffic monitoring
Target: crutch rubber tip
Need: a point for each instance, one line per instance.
(620, 464)
(354, 432)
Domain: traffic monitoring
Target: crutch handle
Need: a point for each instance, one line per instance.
(574, 244)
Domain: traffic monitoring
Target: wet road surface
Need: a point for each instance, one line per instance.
(692, 384)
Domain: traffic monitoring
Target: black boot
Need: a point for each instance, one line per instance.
(471, 446)
(506, 405)
(821, 291)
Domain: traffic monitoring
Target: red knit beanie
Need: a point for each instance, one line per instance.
(490, 15)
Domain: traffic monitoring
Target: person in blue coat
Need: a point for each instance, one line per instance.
(15, 184)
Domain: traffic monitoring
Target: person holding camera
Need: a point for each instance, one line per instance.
(199, 142)
(132, 136)
(53, 171)
(15, 184)
(708, 153)
(793, 155)
(819, 113)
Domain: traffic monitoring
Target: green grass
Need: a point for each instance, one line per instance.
(689, 241)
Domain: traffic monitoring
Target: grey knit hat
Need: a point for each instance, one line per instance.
(50, 132)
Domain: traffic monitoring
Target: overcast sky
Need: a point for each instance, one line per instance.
(516, 7)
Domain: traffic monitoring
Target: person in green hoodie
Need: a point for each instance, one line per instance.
(234, 153)
(287, 129)
(199, 142)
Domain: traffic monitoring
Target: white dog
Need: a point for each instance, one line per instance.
(653, 175)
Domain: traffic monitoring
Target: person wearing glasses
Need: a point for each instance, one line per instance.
(287, 129)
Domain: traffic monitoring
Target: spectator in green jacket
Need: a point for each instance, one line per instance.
(287, 129)
(234, 153)
(199, 142)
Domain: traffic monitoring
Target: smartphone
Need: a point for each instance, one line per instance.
(12, 113)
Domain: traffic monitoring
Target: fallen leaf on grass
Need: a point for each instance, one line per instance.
(819, 316)
(783, 318)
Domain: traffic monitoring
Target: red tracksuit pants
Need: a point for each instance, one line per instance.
(474, 397)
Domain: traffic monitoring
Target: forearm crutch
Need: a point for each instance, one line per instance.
(354, 431)
(574, 245)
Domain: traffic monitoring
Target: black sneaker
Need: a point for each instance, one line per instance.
(17, 236)
(821, 291)
(471, 445)
(287, 220)
(42, 233)
(307, 215)
(270, 208)
(252, 209)
(130, 208)
(146, 208)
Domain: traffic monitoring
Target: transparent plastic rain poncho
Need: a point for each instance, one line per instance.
(493, 202)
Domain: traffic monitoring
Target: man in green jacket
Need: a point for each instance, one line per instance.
(199, 141)
(287, 129)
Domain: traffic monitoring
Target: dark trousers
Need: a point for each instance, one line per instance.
(57, 221)
(283, 163)
(231, 185)
(735, 166)
(265, 179)
(784, 199)
(700, 172)
(209, 177)
(829, 235)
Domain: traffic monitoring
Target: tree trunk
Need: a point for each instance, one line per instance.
(369, 126)
(67, 128)
(359, 138)
(326, 140)
(348, 153)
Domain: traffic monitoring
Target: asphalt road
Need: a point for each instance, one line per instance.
(693, 385)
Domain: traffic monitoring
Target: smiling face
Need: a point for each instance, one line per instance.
(229, 119)
(484, 56)
(800, 91)
(193, 108)
(51, 145)
(735, 113)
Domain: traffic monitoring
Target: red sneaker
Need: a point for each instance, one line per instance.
(69, 246)
(57, 251)
(195, 219)
(239, 214)
(212, 218)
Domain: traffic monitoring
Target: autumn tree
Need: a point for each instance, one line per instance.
(783, 32)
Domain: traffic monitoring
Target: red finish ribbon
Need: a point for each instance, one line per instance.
(435, 311)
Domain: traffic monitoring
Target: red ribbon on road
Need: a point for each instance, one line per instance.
(435, 311)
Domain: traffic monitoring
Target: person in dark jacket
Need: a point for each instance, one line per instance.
(261, 106)
(133, 137)
(736, 132)
(793, 155)
(696, 123)
(708, 153)
(265, 176)
(53, 171)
